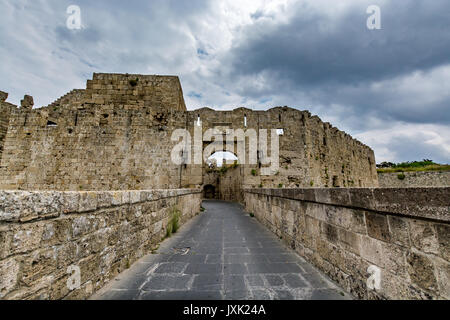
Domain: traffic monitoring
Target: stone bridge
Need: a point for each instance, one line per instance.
(315, 243)
(105, 194)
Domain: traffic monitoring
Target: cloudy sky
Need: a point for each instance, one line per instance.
(390, 88)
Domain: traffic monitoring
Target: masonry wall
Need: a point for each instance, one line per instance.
(230, 184)
(103, 233)
(312, 153)
(403, 232)
(115, 135)
(5, 113)
(415, 179)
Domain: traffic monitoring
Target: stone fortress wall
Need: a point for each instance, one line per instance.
(44, 233)
(5, 113)
(414, 179)
(377, 243)
(116, 135)
(312, 153)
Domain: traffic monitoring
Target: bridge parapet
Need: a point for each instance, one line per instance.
(47, 235)
(388, 243)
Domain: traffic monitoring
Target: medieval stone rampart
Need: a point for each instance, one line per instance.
(116, 135)
(414, 179)
(358, 235)
(42, 234)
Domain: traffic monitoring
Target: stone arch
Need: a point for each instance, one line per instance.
(222, 156)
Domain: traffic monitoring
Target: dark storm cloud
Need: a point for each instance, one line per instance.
(337, 60)
(310, 54)
(312, 49)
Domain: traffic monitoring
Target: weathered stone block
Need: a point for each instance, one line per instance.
(88, 201)
(377, 226)
(361, 198)
(135, 196)
(9, 270)
(423, 236)
(26, 238)
(394, 258)
(38, 264)
(329, 232)
(104, 199)
(421, 271)
(70, 201)
(399, 228)
(371, 250)
(443, 235)
(116, 198)
(350, 240)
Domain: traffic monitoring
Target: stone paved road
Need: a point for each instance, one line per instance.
(222, 254)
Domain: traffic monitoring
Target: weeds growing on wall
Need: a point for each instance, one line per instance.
(173, 225)
(133, 82)
(425, 165)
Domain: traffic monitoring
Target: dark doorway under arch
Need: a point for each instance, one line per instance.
(209, 191)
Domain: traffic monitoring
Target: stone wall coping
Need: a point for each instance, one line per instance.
(424, 202)
(24, 206)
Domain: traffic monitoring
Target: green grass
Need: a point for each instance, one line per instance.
(173, 225)
(430, 167)
(133, 82)
(223, 170)
(253, 172)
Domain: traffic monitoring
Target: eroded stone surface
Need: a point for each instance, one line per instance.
(44, 233)
(405, 245)
(116, 135)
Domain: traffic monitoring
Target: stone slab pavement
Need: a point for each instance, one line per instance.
(223, 253)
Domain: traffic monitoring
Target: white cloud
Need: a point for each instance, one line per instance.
(195, 40)
(408, 142)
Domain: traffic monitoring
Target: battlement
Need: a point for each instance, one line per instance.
(136, 89)
(116, 134)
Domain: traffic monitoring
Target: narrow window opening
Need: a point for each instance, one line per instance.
(51, 124)
(245, 120)
(280, 132)
(279, 117)
(198, 120)
(324, 141)
(335, 182)
(76, 119)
